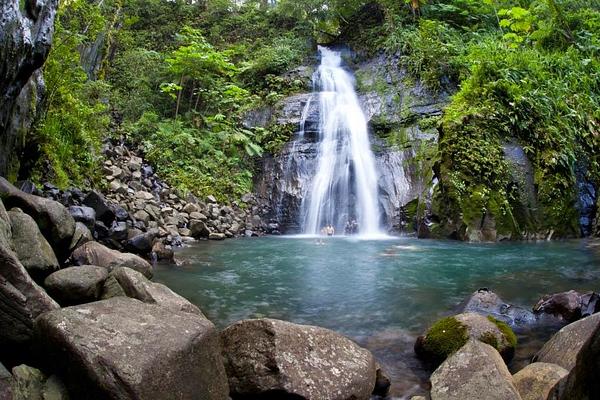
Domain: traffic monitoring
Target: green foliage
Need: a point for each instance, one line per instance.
(429, 51)
(445, 337)
(74, 115)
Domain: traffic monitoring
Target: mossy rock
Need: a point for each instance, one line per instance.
(449, 334)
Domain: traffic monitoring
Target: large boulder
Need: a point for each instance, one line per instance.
(486, 302)
(569, 306)
(6, 384)
(199, 230)
(53, 219)
(450, 334)
(122, 348)
(564, 347)
(94, 253)
(76, 285)
(32, 384)
(537, 381)
(137, 286)
(34, 252)
(582, 383)
(269, 357)
(476, 371)
(21, 299)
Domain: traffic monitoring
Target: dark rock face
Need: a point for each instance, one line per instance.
(76, 285)
(25, 39)
(267, 357)
(31, 247)
(53, 219)
(94, 253)
(124, 349)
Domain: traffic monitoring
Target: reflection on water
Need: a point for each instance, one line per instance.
(381, 293)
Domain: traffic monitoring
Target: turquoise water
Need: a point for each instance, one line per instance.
(381, 293)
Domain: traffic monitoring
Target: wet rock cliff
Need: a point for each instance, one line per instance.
(26, 30)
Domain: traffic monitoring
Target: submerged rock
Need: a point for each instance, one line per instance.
(475, 372)
(122, 348)
(94, 253)
(449, 334)
(486, 302)
(569, 306)
(271, 357)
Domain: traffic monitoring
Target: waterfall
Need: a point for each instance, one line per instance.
(344, 186)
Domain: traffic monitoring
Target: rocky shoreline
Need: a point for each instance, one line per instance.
(140, 213)
(81, 320)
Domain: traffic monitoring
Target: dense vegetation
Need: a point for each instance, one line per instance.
(176, 77)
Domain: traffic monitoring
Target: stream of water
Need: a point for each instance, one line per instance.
(380, 293)
(344, 187)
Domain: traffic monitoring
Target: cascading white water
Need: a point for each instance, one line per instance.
(344, 187)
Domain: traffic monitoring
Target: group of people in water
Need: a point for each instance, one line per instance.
(351, 228)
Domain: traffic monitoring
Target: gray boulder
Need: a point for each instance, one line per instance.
(137, 286)
(32, 249)
(21, 299)
(449, 334)
(199, 230)
(81, 236)
(122, 348)
(94, 253)
(85, 215)
(76, 285)
(537, 381)
(6, 384)
(474, 372)
(54, 220)
(267, 356)
(582, 383)
(32, 384)
(564, 347)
